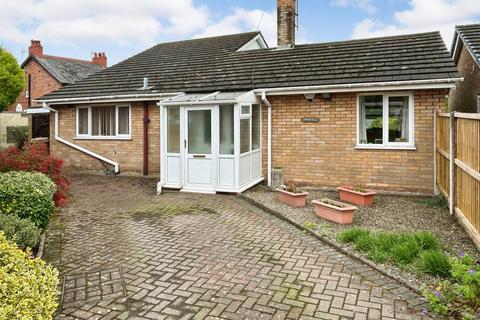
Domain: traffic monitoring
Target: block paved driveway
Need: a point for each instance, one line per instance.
(126, 253)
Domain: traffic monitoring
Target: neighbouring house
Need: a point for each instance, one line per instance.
(47, 73)
(216, 114)
(465, 97)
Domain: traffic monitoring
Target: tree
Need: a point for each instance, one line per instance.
(12, 79)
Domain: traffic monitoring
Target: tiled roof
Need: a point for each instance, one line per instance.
(211, 64)
(65, 70)
(470, 36)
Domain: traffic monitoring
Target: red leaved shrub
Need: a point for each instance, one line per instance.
(35, 157)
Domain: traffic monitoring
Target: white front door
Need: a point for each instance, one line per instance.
(199, 159)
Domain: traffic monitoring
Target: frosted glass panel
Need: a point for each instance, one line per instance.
(244, 135)
(199, 132)
(226, 130)
(255, 126)
(173, 128)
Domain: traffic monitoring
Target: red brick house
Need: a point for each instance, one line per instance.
(46, 73)
(216, 114)
(465, 51)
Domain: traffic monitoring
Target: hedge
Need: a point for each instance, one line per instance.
(27, 195)
(21, 231)
(28, 287)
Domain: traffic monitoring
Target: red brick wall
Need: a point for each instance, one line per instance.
(42, 83)
(324, 153)
(464, 96)
(128, 153)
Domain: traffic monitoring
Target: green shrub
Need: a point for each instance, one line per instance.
(28, 287)
(458, 297)
(17, 135)
(351, 235)
(27, 195)
(406, 250)
(21, 231)
(426, 240)
(434, 262)
(309, 224)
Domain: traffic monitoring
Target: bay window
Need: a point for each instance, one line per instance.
(103, 122)
(385, 120)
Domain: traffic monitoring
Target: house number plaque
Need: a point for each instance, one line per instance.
(310, 120)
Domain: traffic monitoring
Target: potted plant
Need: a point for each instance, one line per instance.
(356, 195)
(292, 195)
(335, 211)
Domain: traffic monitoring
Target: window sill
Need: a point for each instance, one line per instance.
(102, 138)
(382, 147)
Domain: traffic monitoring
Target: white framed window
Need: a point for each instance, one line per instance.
(104, 122)
(478, 104)
(385, 120)
(250, 127)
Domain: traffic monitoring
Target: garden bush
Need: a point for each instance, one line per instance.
(27, 195)
(459, 296)
(21, 231)
(34, 157)
(434, 262)
(28, 287)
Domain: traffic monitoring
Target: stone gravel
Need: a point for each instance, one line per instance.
(388, 213)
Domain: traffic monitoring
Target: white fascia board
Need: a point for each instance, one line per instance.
(364, 87)
(197, 102)
(113, 98)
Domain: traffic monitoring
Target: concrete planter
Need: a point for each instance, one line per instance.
(296, 200)
(335, 211)
(356, 197)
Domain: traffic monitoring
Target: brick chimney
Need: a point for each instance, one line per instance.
(35, 48)
(286, 14)
(100, 58)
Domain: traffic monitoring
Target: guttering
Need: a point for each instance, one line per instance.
(76, 146)
(124, 97)
(369, 86)
(197, 102)
(269, 138)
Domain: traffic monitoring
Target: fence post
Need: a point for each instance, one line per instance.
(453, 154)
(435, 188)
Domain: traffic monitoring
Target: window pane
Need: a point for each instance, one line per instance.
(371, 120)
(199, 132)
(398, 119)
(103, 121)
(244, 135)
(83, 121)
(255, 126)
(123, 120)
(246, 109)
(226, 130)
(173, 128)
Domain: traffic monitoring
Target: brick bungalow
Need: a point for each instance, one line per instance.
(465, 97)
(216, 114)
(47, 73)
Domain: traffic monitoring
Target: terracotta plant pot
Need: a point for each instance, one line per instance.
(334, 211)
(364, 198)
(296, 200)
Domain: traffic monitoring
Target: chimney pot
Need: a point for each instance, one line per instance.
(35, 48)
(100, 58)
(286, 15)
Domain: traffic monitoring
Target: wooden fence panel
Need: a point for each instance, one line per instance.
(464, 160)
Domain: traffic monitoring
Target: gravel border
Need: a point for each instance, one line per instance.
(332, 244)
(41, 246)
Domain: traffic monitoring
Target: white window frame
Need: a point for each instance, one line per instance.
(410, 145)
(478, 104)
(117, 136)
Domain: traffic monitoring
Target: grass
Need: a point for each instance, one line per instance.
(418, 250)
(309, 224)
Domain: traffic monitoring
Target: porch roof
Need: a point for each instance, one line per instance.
(216, 97)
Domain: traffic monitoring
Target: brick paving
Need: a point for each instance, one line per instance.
(126, 253)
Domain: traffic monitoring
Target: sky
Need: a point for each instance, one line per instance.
(122, 28)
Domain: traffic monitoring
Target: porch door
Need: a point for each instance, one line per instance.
(199, 146)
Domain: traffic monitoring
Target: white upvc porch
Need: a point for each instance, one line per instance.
(211, 142)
